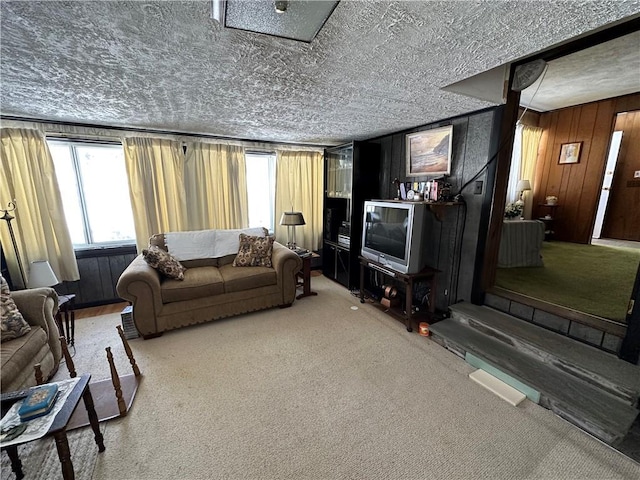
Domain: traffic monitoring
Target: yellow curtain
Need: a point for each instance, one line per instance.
(28, 176)
(216, 186)
(530, 143)
(155, 168)
(299, 184)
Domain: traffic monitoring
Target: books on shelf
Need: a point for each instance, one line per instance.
(38, 402)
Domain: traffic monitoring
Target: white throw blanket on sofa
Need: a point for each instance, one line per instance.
(207, 243)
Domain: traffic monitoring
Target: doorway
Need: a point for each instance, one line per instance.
(607, 180)
(620, 192)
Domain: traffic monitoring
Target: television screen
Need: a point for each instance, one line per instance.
(386, 230)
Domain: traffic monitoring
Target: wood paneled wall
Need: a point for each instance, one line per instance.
(451, 241)
(577, 186)
(99, 272)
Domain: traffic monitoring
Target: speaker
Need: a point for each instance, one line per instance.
(332, 222)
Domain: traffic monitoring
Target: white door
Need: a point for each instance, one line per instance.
(612, 159)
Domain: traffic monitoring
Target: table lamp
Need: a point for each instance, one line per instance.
(41, 275)
(523, 185)
(291, 220)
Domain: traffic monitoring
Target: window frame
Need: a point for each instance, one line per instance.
(272, 157)
(71, 144)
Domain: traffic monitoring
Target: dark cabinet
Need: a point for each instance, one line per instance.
(352, 174)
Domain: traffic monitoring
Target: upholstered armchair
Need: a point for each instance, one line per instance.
(41, 345)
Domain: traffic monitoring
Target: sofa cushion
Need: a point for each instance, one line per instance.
(164, 262)
(19, 353)
(13, 324)
(241, 279)
(198, 282)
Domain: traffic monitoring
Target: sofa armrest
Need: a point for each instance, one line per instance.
(287, 264)
(39, 307)
(140, 285)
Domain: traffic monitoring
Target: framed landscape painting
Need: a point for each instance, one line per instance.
(429, 152)
(570, 153)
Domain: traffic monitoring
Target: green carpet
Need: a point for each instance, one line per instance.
(589, 278)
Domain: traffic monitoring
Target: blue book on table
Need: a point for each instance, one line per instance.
(39, 402)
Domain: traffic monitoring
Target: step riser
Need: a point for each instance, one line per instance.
(557, 407)
(520, 344)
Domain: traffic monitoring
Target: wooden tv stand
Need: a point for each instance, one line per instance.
(427, 274)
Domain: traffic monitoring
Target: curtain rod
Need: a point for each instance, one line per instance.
(159, 132)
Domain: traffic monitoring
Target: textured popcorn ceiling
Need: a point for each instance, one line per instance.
(376, 67)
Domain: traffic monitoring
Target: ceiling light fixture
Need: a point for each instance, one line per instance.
(300, 20)
(281, 5)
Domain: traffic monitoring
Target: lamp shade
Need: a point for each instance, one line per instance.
(523, 185)
(41, 275)
(292, 218)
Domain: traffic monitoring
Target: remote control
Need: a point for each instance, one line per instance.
(14, 396)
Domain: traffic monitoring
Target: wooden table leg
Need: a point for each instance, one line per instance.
(409, 304)
(16, 464)
(361, 283)
(72, 314)
(67, 357)
(306, 279)
(93, 418)
(62, 445)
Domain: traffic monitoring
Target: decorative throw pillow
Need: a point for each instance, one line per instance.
(244, 257)
(13, 323)
(164, 262)
(254, 251)
(262, 248)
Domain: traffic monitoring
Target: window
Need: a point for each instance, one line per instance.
(95, 192)
(261, 188)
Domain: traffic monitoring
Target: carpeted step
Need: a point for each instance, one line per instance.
(587, 363)
(590, 408)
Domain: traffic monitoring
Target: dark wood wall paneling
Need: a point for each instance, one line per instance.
(452, 241)
(99, 273)
(577, 186)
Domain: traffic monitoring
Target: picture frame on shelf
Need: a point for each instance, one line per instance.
(428, 152)
(570, 153)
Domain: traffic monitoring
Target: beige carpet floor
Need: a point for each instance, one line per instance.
(327, 389)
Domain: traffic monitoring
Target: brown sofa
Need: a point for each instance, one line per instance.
(212, 289)
(41, 345)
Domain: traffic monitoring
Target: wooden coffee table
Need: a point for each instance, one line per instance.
(58, 430)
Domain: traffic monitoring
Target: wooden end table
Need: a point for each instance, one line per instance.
(305, 275)
(66, 312)
(58, 430)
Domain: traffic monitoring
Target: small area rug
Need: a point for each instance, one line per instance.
(40, 458)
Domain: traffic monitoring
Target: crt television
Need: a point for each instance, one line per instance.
(392, 234)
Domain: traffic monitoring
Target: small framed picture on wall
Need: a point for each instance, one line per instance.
(570, 153)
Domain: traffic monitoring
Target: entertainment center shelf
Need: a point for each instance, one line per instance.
(404, 312)
(437, 208)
